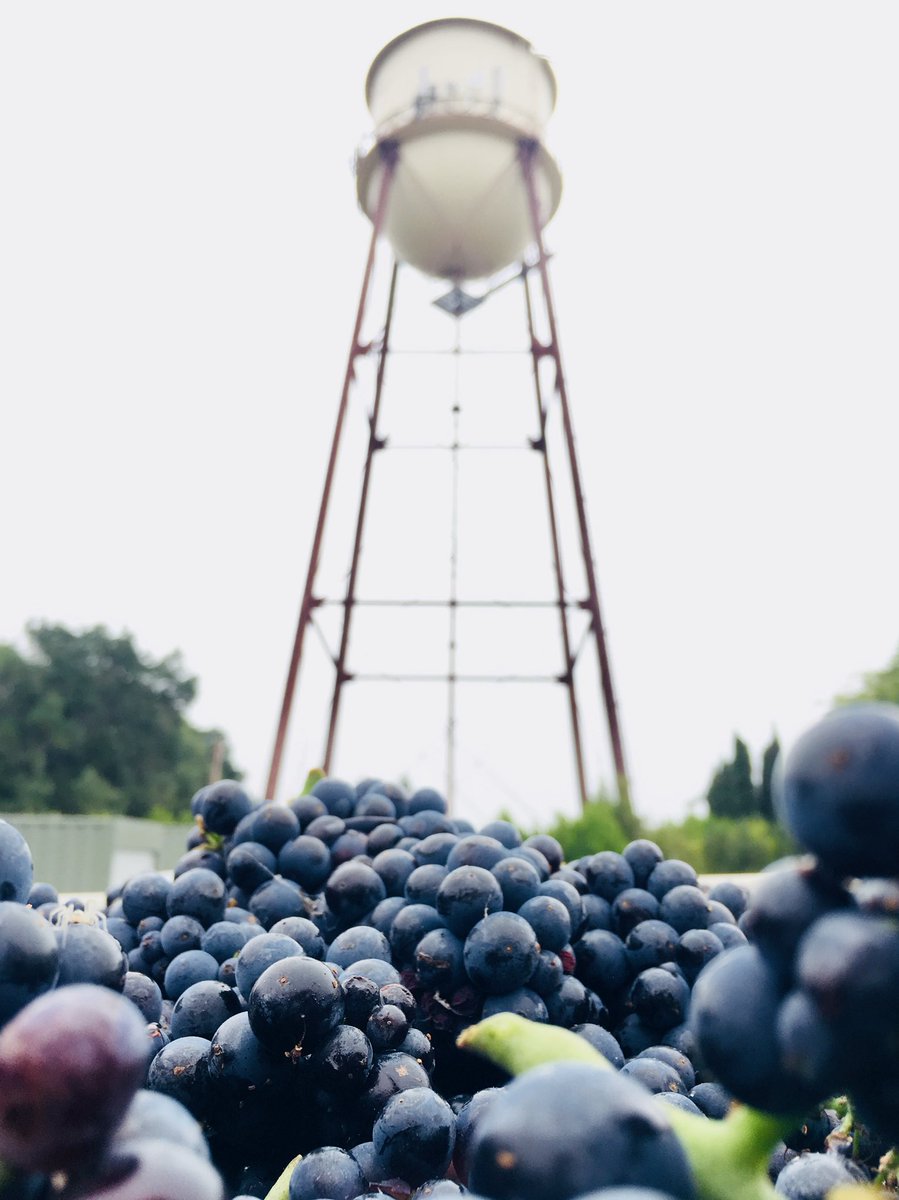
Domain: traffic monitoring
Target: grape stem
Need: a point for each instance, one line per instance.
(280, 1189)
(729, 1158)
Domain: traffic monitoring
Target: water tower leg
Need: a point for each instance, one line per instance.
(527, 151)
(374, 444)
(568, 676)
(389, 154)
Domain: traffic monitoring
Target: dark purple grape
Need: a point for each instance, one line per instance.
(785, 902)
(201, 856)
(414, 1136)
(149, 1169)
(564, 1129)
(352, 844)
(179, 934)
(696, 948)
(653, 1074)
(394, 866)
(193, 966)
(427, 799)
(70, 1062)
(603, 1041)
(409, 926)
(304, 933)
(630, 907)
(651, 943)
(518, 879)
(198, 893)
(202, 1008)
(357, 942)
(568, 895)
(307, 808)
(88, 954)
(685, 907)
(344, 1061)
(643, 857)
(467, 1120)
(550, 920)
(424, 883)
(383, 837)
(338, 796)
(180, 1070)
(465, 895)
(276, 899)
(668, 874)
(29, 957)
(251, 864)
(145, 895)
(674, 1058)
(548, 846)
(418, 1045)
(238, 1065)
(659, 998)
(353, 890)
(222, 806)
(732, 895)
(811, 1176)
(602, 962)
(439, 961)
(733, 1013)
(153, 1115)
(375, 804)
(475, 850)
(328, 1173)
(522, 1001)
(16, 866)
(386, 1028)
(379, 971)
(361, 997)
(42, 893)
(500, 953)
(145, 994)
(391, 1073)
(295, 1004)
(836, 789)
(712, 1099)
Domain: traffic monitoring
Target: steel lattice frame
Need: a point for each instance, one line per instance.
(538, 350)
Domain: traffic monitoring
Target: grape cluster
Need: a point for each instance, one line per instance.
(299, 986)
(806, 1010)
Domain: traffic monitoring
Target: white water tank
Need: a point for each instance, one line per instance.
(458, 96)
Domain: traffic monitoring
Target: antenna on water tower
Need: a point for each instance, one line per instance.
(459, 182)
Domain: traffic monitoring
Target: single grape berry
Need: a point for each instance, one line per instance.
(837, 790)
(70, 1062)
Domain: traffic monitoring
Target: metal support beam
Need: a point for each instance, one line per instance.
(389, 151)
(527, 152)
(374, 444)
(540, 445)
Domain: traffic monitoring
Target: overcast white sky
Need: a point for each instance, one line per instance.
(180, 257)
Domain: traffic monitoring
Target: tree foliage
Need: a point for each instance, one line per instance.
(878, 685)
(88, 723)
(598, 827)
(732, 793)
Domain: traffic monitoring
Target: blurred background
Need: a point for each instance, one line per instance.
(180, 269)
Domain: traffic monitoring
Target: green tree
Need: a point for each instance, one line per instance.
(878, 685)
(91, 724)
(598, 827)
(731, 792)
(764, 797)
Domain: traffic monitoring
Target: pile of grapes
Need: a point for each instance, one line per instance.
(355, 994)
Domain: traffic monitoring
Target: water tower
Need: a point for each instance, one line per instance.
(458, 180)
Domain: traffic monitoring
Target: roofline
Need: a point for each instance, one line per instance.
(385, 51)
